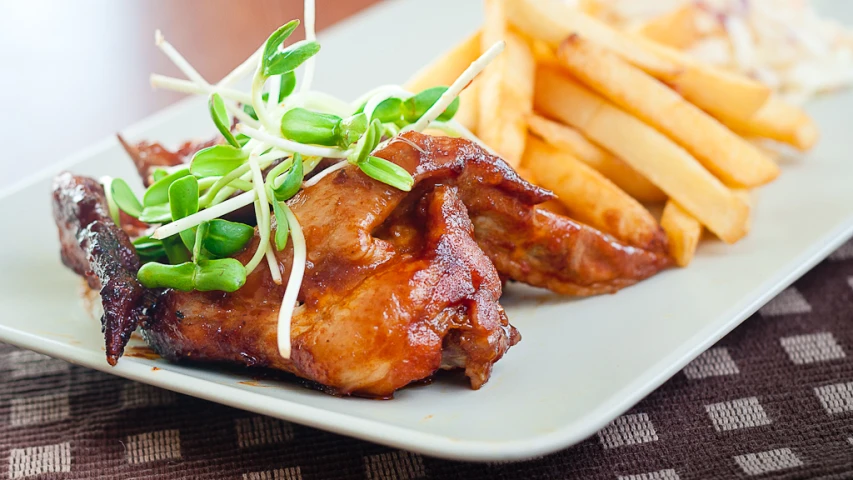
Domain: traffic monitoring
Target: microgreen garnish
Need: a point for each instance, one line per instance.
(224, 238)
(220, 118)
(387, 172)
(225, 274)
(158, 192)
(183, 201)
(285, 134)
(217, 161)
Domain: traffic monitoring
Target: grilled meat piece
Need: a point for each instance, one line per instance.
(98, 250)
(526, 243)
(372, 319)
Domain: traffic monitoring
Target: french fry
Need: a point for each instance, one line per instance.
(683, 232)
(780, 121)
(506, 87)
(732, 159)
(591, 198)
(612, 167)
(677, 29)
(721, 93)
(445, 69)
(648, 151)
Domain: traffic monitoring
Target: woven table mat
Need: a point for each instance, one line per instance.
(773, 399)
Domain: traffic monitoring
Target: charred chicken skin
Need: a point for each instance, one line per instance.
(397, 284)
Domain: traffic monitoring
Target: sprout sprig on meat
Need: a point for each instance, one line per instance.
(281, 129)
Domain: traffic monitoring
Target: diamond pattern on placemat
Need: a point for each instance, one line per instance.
(816, 347)
(789, 302)
(31, 461)
(837, 398)
(628, 430)
(774, 399)
(398, 465)
(741, 413)
(714, 362)
(153, 446)
(769, 461)
(668, 474)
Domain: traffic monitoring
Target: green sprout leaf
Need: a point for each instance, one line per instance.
(292, 181)
(415, 107)
(176, 252)
(159, 174)
(183, 202)
(271, 47)
(158, 192)
(243, 139)
(198, 251)
(225, 274)
(224, 238)
(221, 118)
(217, 161)
(313, 128)
(389, 110)
(351, 129)
(290, 58)
(387, 172)
(156, 214)
(367, 143)
(124, 198)
(149, 249)
(158, 275)
(282, 228)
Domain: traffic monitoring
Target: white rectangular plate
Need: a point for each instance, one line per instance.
(581, 362)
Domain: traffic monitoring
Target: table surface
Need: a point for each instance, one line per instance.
(772, 399)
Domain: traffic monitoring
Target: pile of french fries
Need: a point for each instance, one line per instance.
(614, 122)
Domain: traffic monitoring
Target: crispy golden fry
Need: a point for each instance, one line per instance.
(683, 232)
(591, 198)
(677, 29)
(780, 121)
(506, 87)
(648, 151)
(612, 167)
(732, 159)
(445, 69)
(714, 90)
(747, 197)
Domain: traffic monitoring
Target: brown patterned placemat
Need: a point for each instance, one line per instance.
(773, 399)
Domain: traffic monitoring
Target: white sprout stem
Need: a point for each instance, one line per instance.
(326, 172)
(291, 146)
(245, 68)
(186, 86)
(275, 90)
(262, 211)
(294, 283)
(258, 101)
(178, 59)
(456, 88)
(195, 219)
(273, 264)
(314, 100)
(191, 73)
(310, 35)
